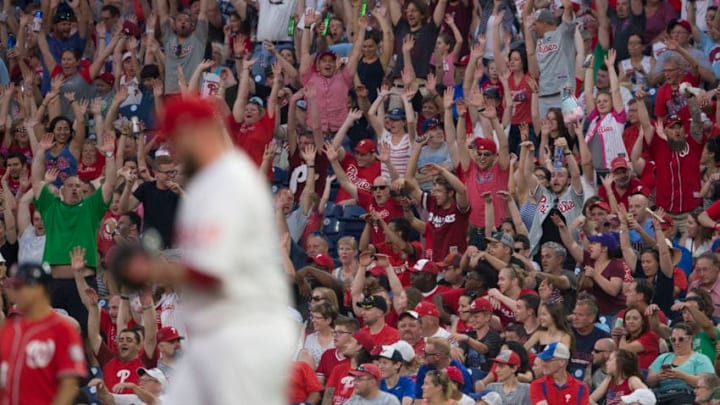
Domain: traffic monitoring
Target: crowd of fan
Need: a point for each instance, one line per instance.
(478, 201)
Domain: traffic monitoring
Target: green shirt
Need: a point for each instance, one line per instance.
(67, 226)
(704, 345)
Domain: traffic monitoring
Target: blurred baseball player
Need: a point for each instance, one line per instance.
(41, 353)
(235, 294)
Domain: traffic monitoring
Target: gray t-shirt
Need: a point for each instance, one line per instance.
(192, 52)
(383, 398)
(555, 53)
(569, 204)
(519, 396)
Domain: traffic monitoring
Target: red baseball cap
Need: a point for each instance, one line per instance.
(481, 304)
(464, 61)
(482, 143)
(366, 341)
(367, 369)
(323, 261)
(425, 308)
(424, 266)
(669, 221)
(602, 205)
(618, 163)
(186, 110)
(168, 334)
(507, 357)
(108, 78)
(452, 259)
(365, 146)
(377, 271)
(455, 374)
(671, 120)
(683, 23)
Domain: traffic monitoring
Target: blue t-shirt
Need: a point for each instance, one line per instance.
(712, 50)
(403, 389)
(581, 357)
(696, 364)
(467, 388)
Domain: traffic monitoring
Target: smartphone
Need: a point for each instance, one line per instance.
(666, 366)
(619, 323)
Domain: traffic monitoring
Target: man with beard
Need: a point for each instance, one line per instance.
(71, 221)
(564, 198)
(678, 158)
(62, 37)
(229, 264)
(169, 346)
(184, 43)
(623, 183)
(411, 332)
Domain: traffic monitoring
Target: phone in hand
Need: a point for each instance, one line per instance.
(666, 366)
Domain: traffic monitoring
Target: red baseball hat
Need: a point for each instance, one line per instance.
(507, 357)
(367, 369)
(482, 143)
(452, 259)
(424, 266)
(366, 341)
(602, 205)
(683, 23)
(455, 374)
(377, 271)
(365, 146)
(464, 61)
(168, 334)
(618, 163)
(323, 261)
(181, 111)
(671, 120)
(669, 221)
(108, 78)
(425, 308)
(481, 304)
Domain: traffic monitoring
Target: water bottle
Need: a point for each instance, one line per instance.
(92, 133)
(11, 41)
(558, 158)
(37, 21)
(291, 26)
(363, 8)
(326, 24)
(135, 121)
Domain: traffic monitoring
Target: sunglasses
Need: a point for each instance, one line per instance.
(316, 298)
(679, 339)
(376, 188)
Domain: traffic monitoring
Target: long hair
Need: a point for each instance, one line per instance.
(626, 363)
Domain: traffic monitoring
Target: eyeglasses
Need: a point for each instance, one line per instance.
(679, 339)
(316, 298)
(376, 188)
(178, 50)
(484, 154)
(341, 332)
(518, 249)
(169, 172)
(430, 354)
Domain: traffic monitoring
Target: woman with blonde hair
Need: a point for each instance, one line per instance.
(438, 389)
(553, 328)
(347, 248)
(325, 295)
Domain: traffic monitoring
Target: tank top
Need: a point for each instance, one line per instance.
(615, 391)
(65, 162)
(521, 96)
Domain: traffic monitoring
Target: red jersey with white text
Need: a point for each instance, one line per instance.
(92, 171)
(573, 392)
(299, 171)
(116, 371)
(448, 226)
(478, 182)
(342, 382)
(506, 314)
(361, 177)
(401, 261)
(391, 209)
(35, 355)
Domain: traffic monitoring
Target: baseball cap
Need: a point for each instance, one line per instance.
(31, 274)
(405, 349)
(546, 16)
(683, 23)
(323, 261)
(168, 334)
(452, 259)
(327, 53)
(642, 190)
(643, 396)
(365, 146)
(366, 341)
(108, 78)
(390, 353)
(492, 92)
(602, 205)
(455, 374)
(411, 314)
(492, 398)
(669, 221)
(126, 55)
(180, 111)
(464, 61)
(481, 304)
(396, 114)
(64, 14)
(428, 124)
(618, 163)
(501, 237)
(424, 266)
(554, 350)
(373, 301)
(507, 357)
(257, 101)
(150, 71)
(606, 239)
(671, 120)
(367, 369)
(424, 308)
(482, 143)
(156, 374)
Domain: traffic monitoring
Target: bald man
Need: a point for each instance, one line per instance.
(601, 353)
(642, 233)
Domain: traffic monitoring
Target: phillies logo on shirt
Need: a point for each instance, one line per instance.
(39, 353)
(565, 206)
(353, 176)
(439, 221)
(123, 375)
(547, 48)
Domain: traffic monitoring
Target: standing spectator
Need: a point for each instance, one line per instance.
(669, 101)
(680, 34)
(31, 231)
(70, 222)
(620, 182)
(63, 38)
(635, 67)
(184, 42)
(626, 20)
(40, 351)
(160, 199)
(557, 385)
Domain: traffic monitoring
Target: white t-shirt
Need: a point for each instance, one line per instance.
(274, 19)
(31, 246)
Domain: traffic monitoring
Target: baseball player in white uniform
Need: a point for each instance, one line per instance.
(235, 294)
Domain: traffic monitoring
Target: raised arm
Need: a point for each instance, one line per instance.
(617, 100)
(342, 178)
(107, 148)
(463, 150)
(388, 36)
(243, 90)
(306, 60)
(149, 322)
(439, 13)
(644, 118)
(38, 163)
(88, 296)
(449, 126)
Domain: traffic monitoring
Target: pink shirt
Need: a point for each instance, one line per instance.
(330, 96)
(478, 182)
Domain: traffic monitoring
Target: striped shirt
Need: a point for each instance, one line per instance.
(399, 154)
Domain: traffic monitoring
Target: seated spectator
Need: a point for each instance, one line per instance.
(153, 383)
(373, 310)
(481, 343)
(553, 328)
(367, 387)
(511, 391)
(339, 388)
(511, 282)
(304, 384)
(623, 377)
(557, 385)
(390, 363)
(437, 357)
(342, 337)
(707, 269)
(562, 281)
(323, 317)
(638, 337)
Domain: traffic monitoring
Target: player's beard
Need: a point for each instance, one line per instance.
(678, 145)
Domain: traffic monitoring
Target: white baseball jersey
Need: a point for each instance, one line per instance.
(242, 337)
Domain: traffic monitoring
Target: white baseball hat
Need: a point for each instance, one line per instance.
(643, 396)
(156, 374)
(406, 350)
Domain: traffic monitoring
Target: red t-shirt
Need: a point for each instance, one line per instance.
(108, 328)
(342, 382)
(448, 226)
(607, 303)
(478, 182)
(400, 261)
(299, 171)
(387, 335)
(35, 355)
(93, 171)
(83, 71)
(303, 382)
(252, 138)
(666, 104)
(574, 391)
(679, 190)
(651, 348)
(329, 360)
(105, 233)
(391, 209)
(116, 371)
(361, 177)
(713, 211)
(621, 199)
(521, 97)
(507, 315)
